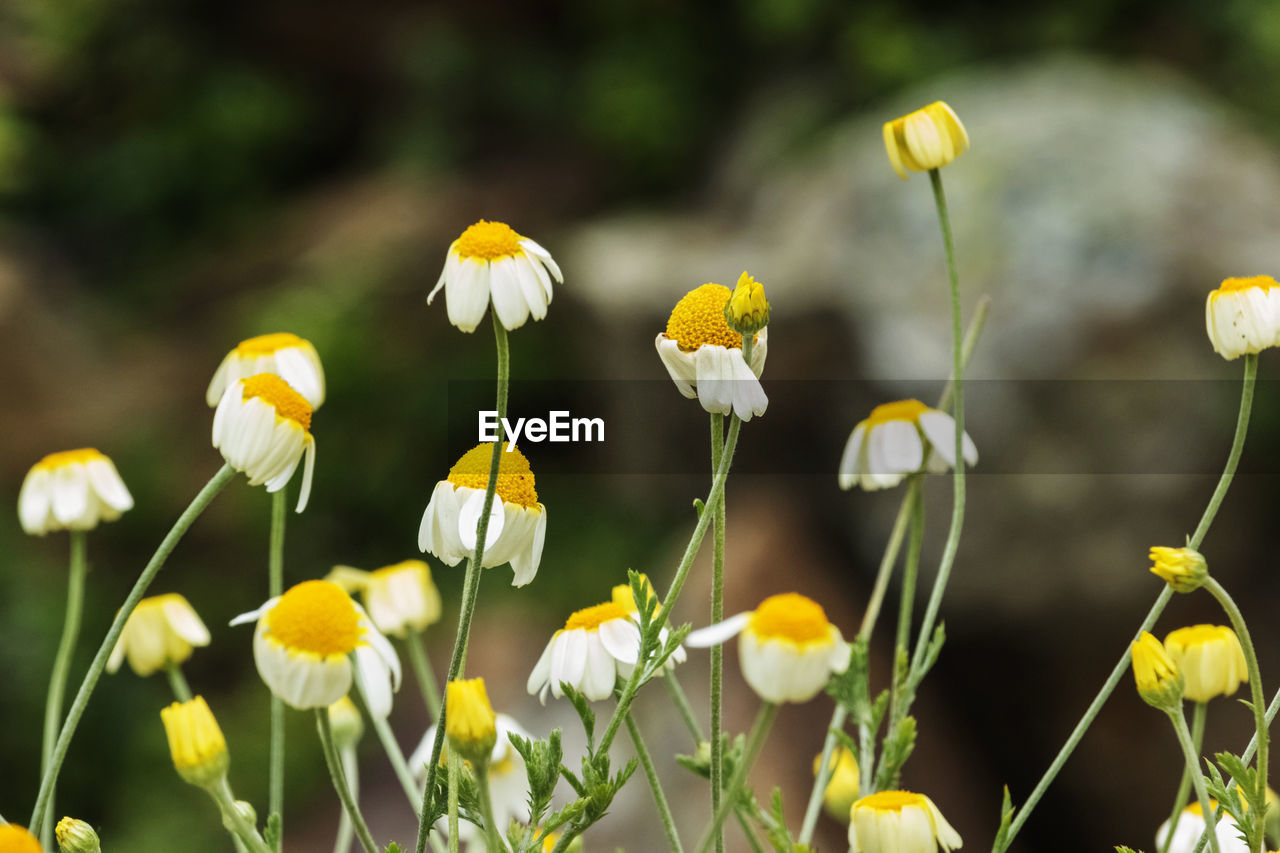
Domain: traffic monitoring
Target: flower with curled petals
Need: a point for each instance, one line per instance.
(262, 427)
(596, 646)
(899, 439)
(286, 355)
(71, 490)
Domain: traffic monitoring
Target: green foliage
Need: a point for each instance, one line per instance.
(1243, 795)
(272, 831)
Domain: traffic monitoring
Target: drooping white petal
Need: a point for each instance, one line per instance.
(850, 459)
(504, 286)
(568, 660)
(467, 293)
(714, 382)
(940, 429)
(713, 635)
(600, 671)
(70, 493)
(621, 639)
(469, 520)
(106, 482)
(185, 622)
(679, 364)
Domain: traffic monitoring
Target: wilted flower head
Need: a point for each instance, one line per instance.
(71, 490)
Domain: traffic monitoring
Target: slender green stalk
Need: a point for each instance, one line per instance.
(1202, 530)
(1246, 757)
(717, 616)
(275, 588)
(452, 761)
(655, 785)
(422, 671)
(1255, 683)
(241, 830)
(1179, 721)
(189, 515)
(493, 841)
(682, 705)
(178, 682)
(346, 830)
(755, 740)
(471, 582)
(888, 559)
(389, 743)
(61, 665)
(340, 781)
(1184, 786)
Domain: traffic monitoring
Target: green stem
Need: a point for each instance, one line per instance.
(1255, 685)
(887, 560)
(340, 781)
(1179, 721)
(422, 671)
(1246, 757)
(755, 740)
(241, 830)
(178, 682)
(61, 665)
(1184, 786)
(452, 761)
(493, 843)
(717, 616)
(655, 785)
(346, 830)
(682, 705)
(275, 588)
(389, 744)
(471, 582)
(190, 514)
(1202, 530)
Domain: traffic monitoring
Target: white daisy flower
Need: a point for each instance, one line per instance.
(71, 490)
(517, 522)
(304, 642)
(262, 426)
(624, 598)
(898, 439)
(398, 598)
(286, 355)
(508, 782)
(490, 260)
(787, 648)
(596, 646)
(160, 632)
(899, 822)
(1191, 825)
(1243, 316)
(704, 356)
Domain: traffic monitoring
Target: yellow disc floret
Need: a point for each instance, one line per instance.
(69, 457)
(902, 410)
(1265, 282)
(790, 616)
(268, 344)
(15, 839)
(515, 477)
(592, 618)
(316, 617)
(488, 241)
(278, 394)
(698, 319)
(892, 801)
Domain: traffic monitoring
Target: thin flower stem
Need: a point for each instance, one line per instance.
(340, 781)
(493, 843)
(1202, 530)
(717, 616)
(346, 830)
(887, 561)
(62, 664)
(1255, 682)
(1179, 721)
(422, 671)
(1246, 757)
(189, 515)
(897, 707)
(241, 830)
(755, 740)
(275, 588)
(178, 682)
(452, 761)
(655, 785)
(682, 705)
(1184, 786)
(389, 744)
(471, 582)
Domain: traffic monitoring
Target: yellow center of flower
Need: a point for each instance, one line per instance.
(268, 344)
(790, 616)
(515, 477)
(591, 618)
(15, 839)
(698, 319)
(892, 801)
(315, 617)
(488, 241)
(69, 457)
(1265, 282)
(278, 394)
(902, 410)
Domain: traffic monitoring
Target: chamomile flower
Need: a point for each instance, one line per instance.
(399, 598)
(76, 836)
(786, 647)
(262, 426)
(899, 822)
(304, 643)
(929, 138)
(196, 744)
(1191, 825)
(1210, 658)
(596, 646)
(517, 522)
(898, 439)
(1243, 316)
(624, 598)
(704, 356)
(16, 839)
(160, 632)
(1160, 683)
(491, 261)
(286, 355)
(71, 490)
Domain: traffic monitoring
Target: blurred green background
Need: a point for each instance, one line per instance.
(176, 176)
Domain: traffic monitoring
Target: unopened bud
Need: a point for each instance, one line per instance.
(76, 836)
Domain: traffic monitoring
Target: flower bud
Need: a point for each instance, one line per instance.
(346, 722)
(844, 786)
(747, 310)
(470, 723)
(1183, 569)
(245, 810)
(927, 139)
(1159, 681)
(76, 836)
(196, 743)
(1210, 659)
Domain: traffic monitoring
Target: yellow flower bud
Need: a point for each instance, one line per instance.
(76, 836)
(844, 786)
(196, 743)
(927, 139)
(470, 723)
(747, 310)
(1183, 569)
(346, 722)
(15, 839)
(1210, 659)
(1157, 676)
